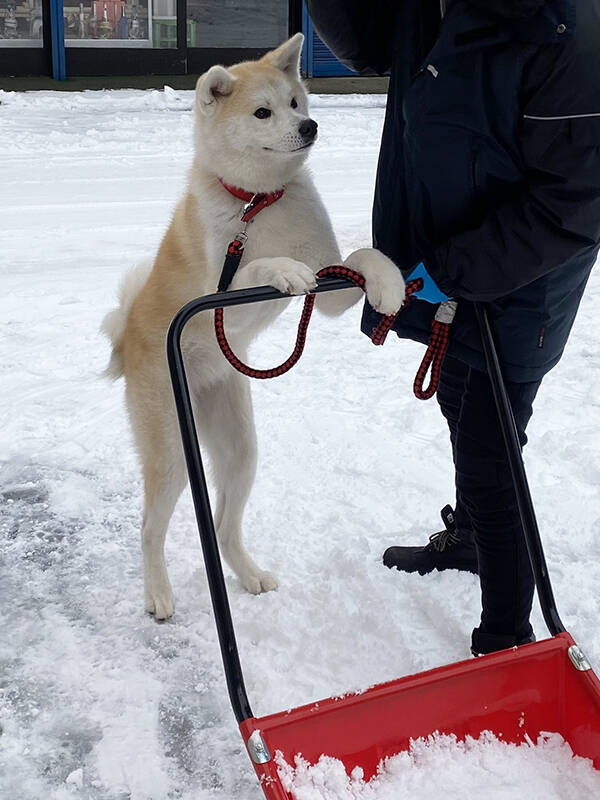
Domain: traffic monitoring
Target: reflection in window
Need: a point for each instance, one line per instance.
(153, 23)
(164, 24)
(20, 21)
(238, 23)
(114, 20)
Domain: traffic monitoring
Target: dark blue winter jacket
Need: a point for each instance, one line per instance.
(489, 168)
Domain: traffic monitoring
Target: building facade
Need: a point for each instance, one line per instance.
(67, 38)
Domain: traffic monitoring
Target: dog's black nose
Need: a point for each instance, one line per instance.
(308, 129)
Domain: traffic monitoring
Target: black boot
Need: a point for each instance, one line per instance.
(483, 643)
(447, 549)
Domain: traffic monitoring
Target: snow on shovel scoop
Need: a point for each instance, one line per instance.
(516, 694)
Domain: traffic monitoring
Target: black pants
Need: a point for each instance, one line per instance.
(486, 505)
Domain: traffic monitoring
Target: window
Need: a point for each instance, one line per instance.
(21, 23)
(238, 23)
(112, 23)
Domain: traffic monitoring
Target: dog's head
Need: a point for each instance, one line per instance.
(252, 123)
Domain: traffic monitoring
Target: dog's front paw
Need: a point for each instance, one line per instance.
(384, 283)
(285, 274)
(259, 582)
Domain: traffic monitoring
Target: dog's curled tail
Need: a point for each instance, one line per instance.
(113, 324)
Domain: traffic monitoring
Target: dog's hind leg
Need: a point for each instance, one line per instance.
(165, 478)
(226, 424)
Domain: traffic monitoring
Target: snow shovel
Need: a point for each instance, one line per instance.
(544, 686)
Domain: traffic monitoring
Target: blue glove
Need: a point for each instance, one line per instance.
(430, 292)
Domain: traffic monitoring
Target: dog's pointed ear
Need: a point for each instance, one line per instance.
(287, 56)
(218, 82)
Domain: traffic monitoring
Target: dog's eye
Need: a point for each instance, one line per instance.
(262, 113)
(294, 104)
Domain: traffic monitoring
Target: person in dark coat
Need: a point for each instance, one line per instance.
(489, 183)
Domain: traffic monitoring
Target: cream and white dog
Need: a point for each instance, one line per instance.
(253, 132)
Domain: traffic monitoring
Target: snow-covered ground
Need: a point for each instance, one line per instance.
(97, 700)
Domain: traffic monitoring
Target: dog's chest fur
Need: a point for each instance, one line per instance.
(297, 226)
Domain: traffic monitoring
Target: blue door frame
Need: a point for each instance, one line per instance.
(57, 39)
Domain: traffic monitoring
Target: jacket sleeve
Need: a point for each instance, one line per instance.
(359, 33)
(557, 215)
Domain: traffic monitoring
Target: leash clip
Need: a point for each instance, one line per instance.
(247, 207)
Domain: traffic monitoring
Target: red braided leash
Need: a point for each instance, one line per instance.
(437, 348)
(434, 357)
(436, 351)
(309, 303)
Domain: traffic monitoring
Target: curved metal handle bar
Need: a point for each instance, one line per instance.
(214, 571)
(233, 670)
(517, 468)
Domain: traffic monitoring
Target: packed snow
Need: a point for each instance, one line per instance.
(97, 700)
(483, 767)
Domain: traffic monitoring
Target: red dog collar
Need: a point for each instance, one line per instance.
(255, 202)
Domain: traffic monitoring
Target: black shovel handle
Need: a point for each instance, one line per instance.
(214, 571)
(517, 468)
(206, 527)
